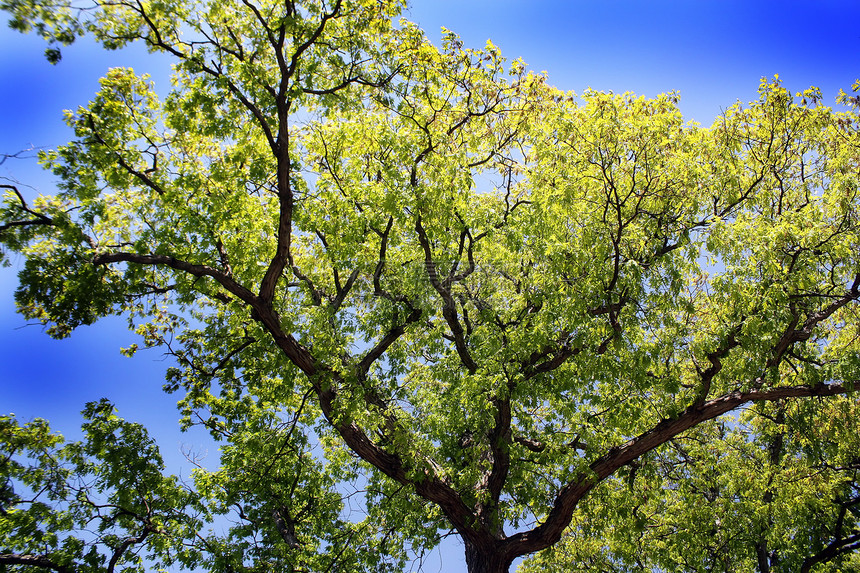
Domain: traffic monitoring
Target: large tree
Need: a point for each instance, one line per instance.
(420, 281)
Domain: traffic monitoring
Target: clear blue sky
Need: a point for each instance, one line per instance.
(712, 51)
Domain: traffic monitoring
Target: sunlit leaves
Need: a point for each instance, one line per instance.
(412, 288)
(747, 494)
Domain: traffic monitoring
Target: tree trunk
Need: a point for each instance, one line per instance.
(486, 558)
(763, 558)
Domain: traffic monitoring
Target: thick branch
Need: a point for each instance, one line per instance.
(493, 481)
(715, 358)
(123, 547)
(449, 307)
(559, 516)
(285, 208)
(33, 561)
(831, 552)
(197, 270)
(324, 382)
(40, 219)
(555, 357)
(281, 150)
(792, 335)
(428, 486)
(390, 338)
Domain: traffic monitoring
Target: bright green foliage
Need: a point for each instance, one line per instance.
(777, 490)
(286, 512)
(97, 505)
(422, 279)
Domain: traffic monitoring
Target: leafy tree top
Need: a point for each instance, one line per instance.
(482, 294)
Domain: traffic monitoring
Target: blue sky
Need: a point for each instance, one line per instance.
(713, 52)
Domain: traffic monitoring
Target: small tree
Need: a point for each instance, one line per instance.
(426, 273)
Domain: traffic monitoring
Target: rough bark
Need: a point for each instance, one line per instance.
(486, 556)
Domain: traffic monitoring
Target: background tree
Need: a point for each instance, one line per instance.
(109, 489)
(483, 296)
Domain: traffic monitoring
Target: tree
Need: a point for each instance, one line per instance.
(426, 277)
(110, 486)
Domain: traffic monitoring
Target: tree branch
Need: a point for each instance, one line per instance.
(550, 531)
(197, 270)
(33, 561)
(40, 219)
(449, 308)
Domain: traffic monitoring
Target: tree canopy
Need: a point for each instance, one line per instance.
(415, 290)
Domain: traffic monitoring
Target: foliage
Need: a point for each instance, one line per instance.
(777, 490)
(108, 488)
(424, 276)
